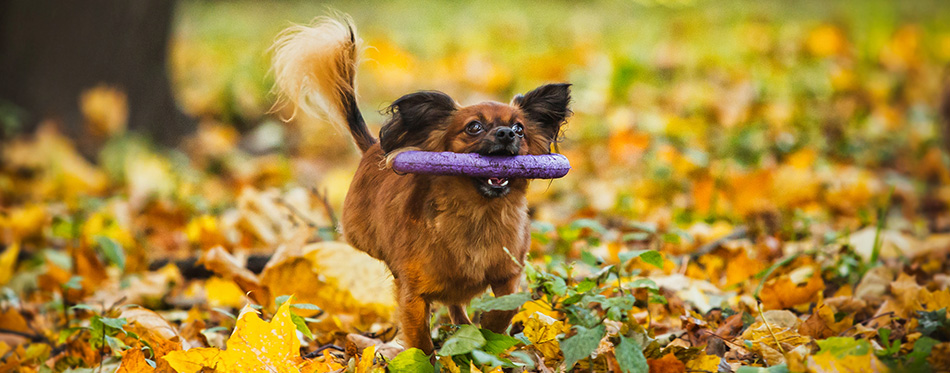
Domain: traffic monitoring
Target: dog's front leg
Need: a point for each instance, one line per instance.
(497, 321)
(414, 318)
(458, 315)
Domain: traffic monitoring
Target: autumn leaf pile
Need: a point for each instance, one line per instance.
(756, 188)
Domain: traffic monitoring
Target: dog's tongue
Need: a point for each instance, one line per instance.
(497, 181)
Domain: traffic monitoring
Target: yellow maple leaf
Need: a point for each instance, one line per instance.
(542, 331)
(254, 346)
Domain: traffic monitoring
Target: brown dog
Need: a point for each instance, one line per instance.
(443, 237)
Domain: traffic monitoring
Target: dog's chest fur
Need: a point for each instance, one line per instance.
(437, 234)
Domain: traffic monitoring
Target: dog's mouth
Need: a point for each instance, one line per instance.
(492, 187)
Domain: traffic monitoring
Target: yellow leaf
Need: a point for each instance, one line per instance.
(223, 292)
(366, 361)
(932, 301)
(531, 307)
(827, 362)
(472, 368)
(196, 359)
(448, 363)
(708, 363)
(255, 345)
(542, 331)
(8, 262)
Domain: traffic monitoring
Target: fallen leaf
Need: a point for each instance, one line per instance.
(254, 345)
(334, 276)
(542, 330)
(666, 364)
(821, 323)
(783, 292)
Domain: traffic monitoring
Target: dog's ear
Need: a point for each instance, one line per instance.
(414, 116)
(547, 105)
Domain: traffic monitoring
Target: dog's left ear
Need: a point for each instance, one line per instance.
(414, 116)
(548, 106)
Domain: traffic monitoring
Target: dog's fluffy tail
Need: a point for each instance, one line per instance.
(315, 70)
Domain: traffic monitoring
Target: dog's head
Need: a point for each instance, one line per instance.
(433, 121)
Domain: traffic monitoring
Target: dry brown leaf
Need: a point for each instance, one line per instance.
(821, 324)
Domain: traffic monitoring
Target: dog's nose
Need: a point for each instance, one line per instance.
(505, 134)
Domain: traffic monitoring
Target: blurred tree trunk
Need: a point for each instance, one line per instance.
(51, 51)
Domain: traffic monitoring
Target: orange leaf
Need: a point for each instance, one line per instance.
(783, 292)
(666, 364)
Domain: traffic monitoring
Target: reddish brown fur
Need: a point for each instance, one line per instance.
(442, 240)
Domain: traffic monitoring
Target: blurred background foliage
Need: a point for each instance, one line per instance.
(689, 109)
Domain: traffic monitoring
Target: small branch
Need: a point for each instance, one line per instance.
(769, 327)
(31, 337)
(326, 205)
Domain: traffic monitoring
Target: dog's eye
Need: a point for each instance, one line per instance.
(474, 127)
(519, 129)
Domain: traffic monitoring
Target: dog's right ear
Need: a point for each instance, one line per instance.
(414, 116)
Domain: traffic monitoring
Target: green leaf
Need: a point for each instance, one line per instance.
(930, 322)
(650, 256)
(281, 300)
(644, 283)
(410, 361)
(466, 339)
(618, 306)
(306, 306)
(224, 312)
(630, 356)
(497, 343)
(844, 346)
(585, 286)
(522, 359)
(589, 224)
(503, 303)
(74, 283)
(112, 251)
(917, 359)
(582, 344)
(485, 359)
(113, 322)
(591, 259)
(83, 306)
(301, 324)
(556, 286)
